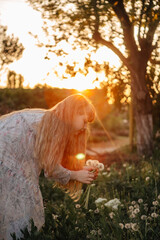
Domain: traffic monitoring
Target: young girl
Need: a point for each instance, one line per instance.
(34, 139)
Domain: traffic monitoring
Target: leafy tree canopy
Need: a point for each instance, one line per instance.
(10, 48)
(129, 25)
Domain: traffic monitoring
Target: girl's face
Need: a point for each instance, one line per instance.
(80, 122)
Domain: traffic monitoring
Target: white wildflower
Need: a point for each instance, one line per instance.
(159, 196)
(100, 200)
(114, 203)
(133, 202)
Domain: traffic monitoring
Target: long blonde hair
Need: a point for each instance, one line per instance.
(55, 142)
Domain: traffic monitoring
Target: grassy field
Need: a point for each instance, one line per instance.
(124, 203)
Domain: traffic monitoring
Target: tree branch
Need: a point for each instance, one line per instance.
(97, 37)
(118, 8)
(154, 61)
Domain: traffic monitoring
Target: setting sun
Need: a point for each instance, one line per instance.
(34, 67)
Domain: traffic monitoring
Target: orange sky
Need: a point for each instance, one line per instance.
(32, 65)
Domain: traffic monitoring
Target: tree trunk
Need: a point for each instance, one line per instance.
(142, 107)
(144, 126)
(131, 125)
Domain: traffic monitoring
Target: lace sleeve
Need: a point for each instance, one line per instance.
(61, 174)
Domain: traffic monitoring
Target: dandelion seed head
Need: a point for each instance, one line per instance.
(140, 200)
(155, 203)
(111, 214)
(136, 205)
(77, 205)
(147, 179)
(93, 185)
(121, 225)
(154, 215)
(136, 210)
(127, 225)
(131, 208)
(143, 217)
(134, 227)
(96, 211)
(132, 215)
(101, 166)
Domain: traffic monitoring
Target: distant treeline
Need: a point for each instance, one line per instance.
(47, 97)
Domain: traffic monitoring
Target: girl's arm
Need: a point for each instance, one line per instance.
(63, 175)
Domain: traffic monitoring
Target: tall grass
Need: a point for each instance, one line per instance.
(124, 204)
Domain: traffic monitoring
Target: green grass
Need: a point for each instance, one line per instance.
(136, 185)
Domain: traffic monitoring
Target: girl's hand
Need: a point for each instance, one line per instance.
(92, 169)
(83, 176)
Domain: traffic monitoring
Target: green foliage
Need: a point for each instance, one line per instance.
(10, 48)
(136, 217)
(16, 99)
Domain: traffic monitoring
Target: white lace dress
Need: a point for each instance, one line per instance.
(20, 195)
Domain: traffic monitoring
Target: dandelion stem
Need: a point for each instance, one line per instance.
(87, 197)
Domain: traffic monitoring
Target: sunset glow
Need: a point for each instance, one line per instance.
(33, 67)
